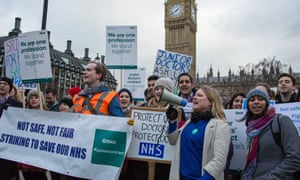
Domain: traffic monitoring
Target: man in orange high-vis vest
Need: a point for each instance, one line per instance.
(96, 98)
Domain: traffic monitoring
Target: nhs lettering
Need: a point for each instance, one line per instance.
(150, 149)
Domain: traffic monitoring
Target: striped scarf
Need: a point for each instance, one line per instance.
(254, 128)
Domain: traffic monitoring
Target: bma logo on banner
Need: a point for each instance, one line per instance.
(109, 147)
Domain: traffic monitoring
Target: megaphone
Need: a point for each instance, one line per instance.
(172, 98)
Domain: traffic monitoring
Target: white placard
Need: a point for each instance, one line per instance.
(149, 135)
(171, 64)
(121, 47)
(135, 81)
(34, 54)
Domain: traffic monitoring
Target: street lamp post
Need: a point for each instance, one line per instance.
(44, 19)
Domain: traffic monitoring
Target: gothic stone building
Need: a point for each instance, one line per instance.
(227, 86)
(67, 69)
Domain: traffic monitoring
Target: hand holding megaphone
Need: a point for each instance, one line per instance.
(171, 113)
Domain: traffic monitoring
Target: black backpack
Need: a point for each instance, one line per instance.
(277, 139)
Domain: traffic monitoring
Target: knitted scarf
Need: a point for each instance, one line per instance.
(255, 126)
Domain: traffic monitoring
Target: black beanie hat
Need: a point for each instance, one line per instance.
(66, 100)
(128, 91)
(9, 82)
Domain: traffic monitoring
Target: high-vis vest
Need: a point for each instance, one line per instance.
(99, 102)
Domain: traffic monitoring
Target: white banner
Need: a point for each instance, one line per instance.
(86, 146)
(149, 135)
(35, 57)
(292, 110)
(121, 47)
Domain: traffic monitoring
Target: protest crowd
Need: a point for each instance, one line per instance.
(197, 129)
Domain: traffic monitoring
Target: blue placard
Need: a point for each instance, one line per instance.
(153, 150)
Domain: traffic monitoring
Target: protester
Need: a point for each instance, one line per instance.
(65, 104)
(151, 82)
(162, 84)
(236, 101)
(267, 88)
(186, 86)
(73, 91)
(150, 89)
(186, 91)
(126, 105)
(286, 89)
(51, 99)
(137, 170)
(35, 100)
(96, 98)
(126, 101)
(261, 121)
(8, 169)
(286, 93)
(16, 94)
(202, 143)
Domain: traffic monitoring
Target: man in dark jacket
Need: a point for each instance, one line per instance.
(8, 169)
(286, 89)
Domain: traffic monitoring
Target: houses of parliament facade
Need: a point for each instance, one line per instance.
(180, 36)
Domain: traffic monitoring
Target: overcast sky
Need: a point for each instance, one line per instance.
(231, 33)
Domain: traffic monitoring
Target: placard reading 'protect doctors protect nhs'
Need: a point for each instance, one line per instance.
(149, 135)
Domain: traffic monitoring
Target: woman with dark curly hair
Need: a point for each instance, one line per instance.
(236, 101)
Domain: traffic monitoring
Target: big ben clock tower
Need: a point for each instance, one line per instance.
(181, 27)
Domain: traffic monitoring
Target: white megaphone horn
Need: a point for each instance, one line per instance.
(172, 98)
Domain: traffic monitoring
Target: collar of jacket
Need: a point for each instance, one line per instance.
(90, 91)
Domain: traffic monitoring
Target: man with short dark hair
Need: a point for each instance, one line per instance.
(286, 94)
(8, 169)
(150, 84)
(149, 91)
(286, 89)
(186, 86)
(51, 99)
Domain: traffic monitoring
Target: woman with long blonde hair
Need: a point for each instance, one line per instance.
(36, 100)
(202, 143)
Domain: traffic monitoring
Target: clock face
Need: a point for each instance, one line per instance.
(176, 10)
